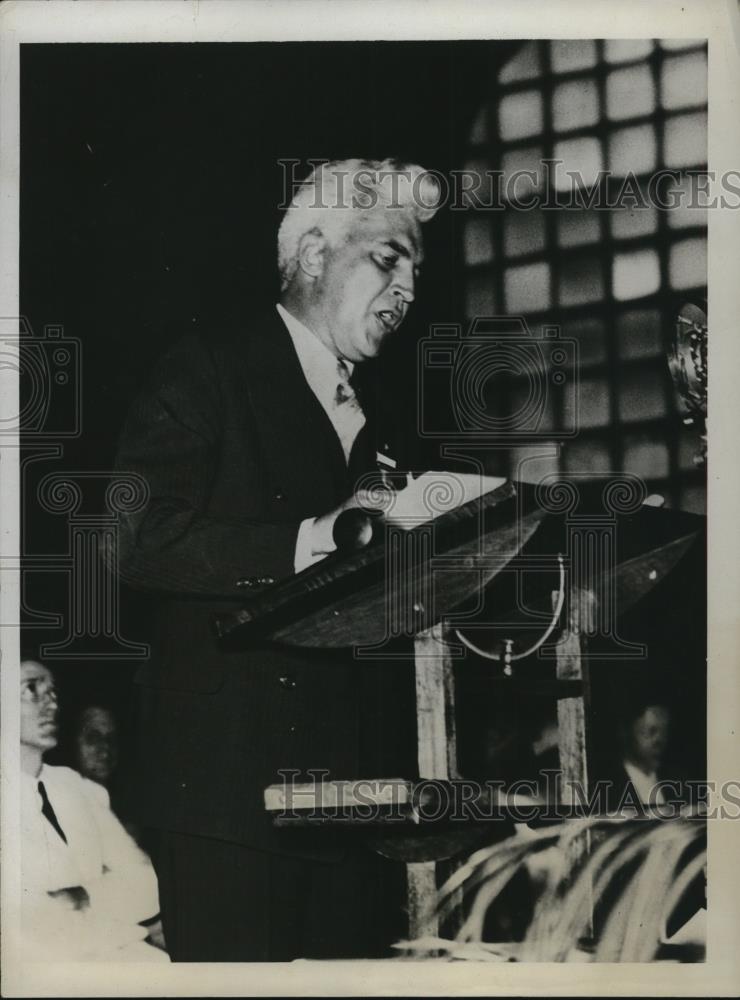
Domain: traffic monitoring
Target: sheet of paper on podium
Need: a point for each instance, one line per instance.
(433, 494)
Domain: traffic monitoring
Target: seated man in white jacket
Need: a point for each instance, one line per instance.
(87, 888)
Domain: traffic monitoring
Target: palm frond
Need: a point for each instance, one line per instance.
(630, 871)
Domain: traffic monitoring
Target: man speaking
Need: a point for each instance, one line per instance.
(251, 442)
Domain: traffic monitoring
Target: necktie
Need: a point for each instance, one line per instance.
(350, 418)
(48, 811)
(345, 392)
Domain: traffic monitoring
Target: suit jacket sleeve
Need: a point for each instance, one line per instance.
(172, 440)
(127, 890)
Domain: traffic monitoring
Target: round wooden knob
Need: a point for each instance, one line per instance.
(353, 530)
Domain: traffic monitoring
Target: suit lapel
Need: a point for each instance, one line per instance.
(288, 414)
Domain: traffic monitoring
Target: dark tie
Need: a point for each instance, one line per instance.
(345, 392)
(48, 811)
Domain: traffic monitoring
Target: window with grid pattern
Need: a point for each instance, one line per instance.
(612, 279)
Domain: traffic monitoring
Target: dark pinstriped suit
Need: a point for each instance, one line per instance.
(237, 451)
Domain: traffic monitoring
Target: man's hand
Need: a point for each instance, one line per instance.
(423, 499)
(376, 501)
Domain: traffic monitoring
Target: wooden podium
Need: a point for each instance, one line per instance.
(413, 583)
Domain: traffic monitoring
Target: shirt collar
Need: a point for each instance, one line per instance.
(32, 780)
(636, 773)
(313, 354)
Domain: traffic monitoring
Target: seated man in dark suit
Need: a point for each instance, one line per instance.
(636, 772)
(644, 780)
(250, 442)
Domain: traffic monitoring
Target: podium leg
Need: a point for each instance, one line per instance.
(437, 758)
(573, 741)
(421, 887)
(435, 705)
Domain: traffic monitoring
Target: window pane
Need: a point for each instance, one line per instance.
(633, 150)
(641, 394)
(686, 140)
(591, 338)
(525, 65)
(577, 226)
(638, 334)
(687, 199)
(524, 232)
(587, 456)
(521, 405)
(533, 463)
(630, 222)
(575, 104)
(580, 281)
(688, 264)
(479, 187)
(572, 54)
(477, 241)
(630, 92)
(582, 157)
(527, 288)
(593, 404)
(617, 50)
(516, 166)
(520, 115)
(635, 274)
(479, 298)
(684, 81)
(646, 457)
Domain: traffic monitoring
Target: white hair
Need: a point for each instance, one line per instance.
(356, 186)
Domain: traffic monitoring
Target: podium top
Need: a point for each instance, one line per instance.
(406, 581)
(400, 584)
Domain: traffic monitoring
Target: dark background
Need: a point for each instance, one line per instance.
(151, 185)
(149, 205)
(150, 188)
